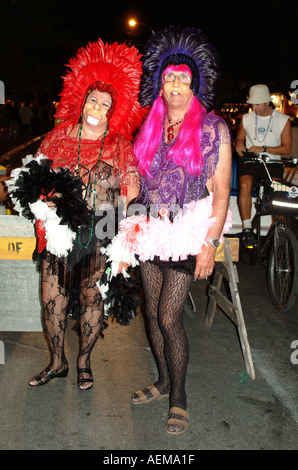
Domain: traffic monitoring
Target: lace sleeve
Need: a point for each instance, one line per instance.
(132, 173)
(224, 133)
(47, 142)
(127, 167)
(215, 133)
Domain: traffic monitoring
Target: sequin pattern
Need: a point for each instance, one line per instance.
(170, 184)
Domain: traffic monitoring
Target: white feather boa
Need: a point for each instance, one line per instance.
(160, 237)
(117, 252)
(59, 237)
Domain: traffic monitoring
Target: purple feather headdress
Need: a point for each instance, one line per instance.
(173, 46)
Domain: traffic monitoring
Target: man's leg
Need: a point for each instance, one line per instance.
(245, 203)
(244, 197)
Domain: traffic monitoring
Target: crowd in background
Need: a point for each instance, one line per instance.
(21, 120)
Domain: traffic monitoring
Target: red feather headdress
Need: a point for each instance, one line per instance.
(114, 68)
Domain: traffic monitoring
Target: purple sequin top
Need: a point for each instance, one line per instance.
(170, 184)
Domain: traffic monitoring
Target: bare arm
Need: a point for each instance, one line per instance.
(133, 190)
(3, 189)
(240, 140)
(133, 186)
(220, 185)
(284, 148)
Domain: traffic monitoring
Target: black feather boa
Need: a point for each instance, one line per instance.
(122, 297)
(37, 178)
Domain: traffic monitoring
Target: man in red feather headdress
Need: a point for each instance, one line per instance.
(91, 167)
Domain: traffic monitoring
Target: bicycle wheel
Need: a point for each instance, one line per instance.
(189, 307)
(282, 271)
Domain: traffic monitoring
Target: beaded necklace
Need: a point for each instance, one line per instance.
(256, 128)
(170, 129)
(94, 187)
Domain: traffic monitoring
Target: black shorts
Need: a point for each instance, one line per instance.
(186, 266)
(257, 169)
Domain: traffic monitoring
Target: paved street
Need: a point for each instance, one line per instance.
(228, 410)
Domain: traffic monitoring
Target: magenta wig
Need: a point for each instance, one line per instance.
(186, 150)
(174, 46)
(177, 68)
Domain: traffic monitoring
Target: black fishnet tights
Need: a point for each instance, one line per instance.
(166, 290)
(54, 302)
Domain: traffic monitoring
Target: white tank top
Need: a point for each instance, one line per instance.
(264, 130)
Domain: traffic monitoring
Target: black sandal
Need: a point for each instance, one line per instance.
(46, 375)
(82, 381)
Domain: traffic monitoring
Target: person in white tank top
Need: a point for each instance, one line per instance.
(264, 130)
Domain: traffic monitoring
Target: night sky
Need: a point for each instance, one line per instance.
(256, 40)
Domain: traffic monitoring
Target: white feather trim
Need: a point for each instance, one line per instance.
(103, 288)
(24, 168)
(168, 240)
(59, 237)
(15, 174)
(116, 252)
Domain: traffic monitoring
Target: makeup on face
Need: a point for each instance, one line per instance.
(176, 91)
(96, 107)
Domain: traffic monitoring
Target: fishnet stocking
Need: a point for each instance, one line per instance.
(90, 319)
(55, 300)
(166, 290)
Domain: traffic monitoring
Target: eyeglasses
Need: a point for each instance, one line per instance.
(183, 77)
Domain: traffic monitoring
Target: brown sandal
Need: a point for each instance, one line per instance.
(179, 419)
(143, 399)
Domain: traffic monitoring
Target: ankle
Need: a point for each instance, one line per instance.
(58, 365)
(83, 363)
(246, 224)
(162, 387)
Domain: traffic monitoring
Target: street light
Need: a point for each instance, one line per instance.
(132, 23)
(137, 31)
